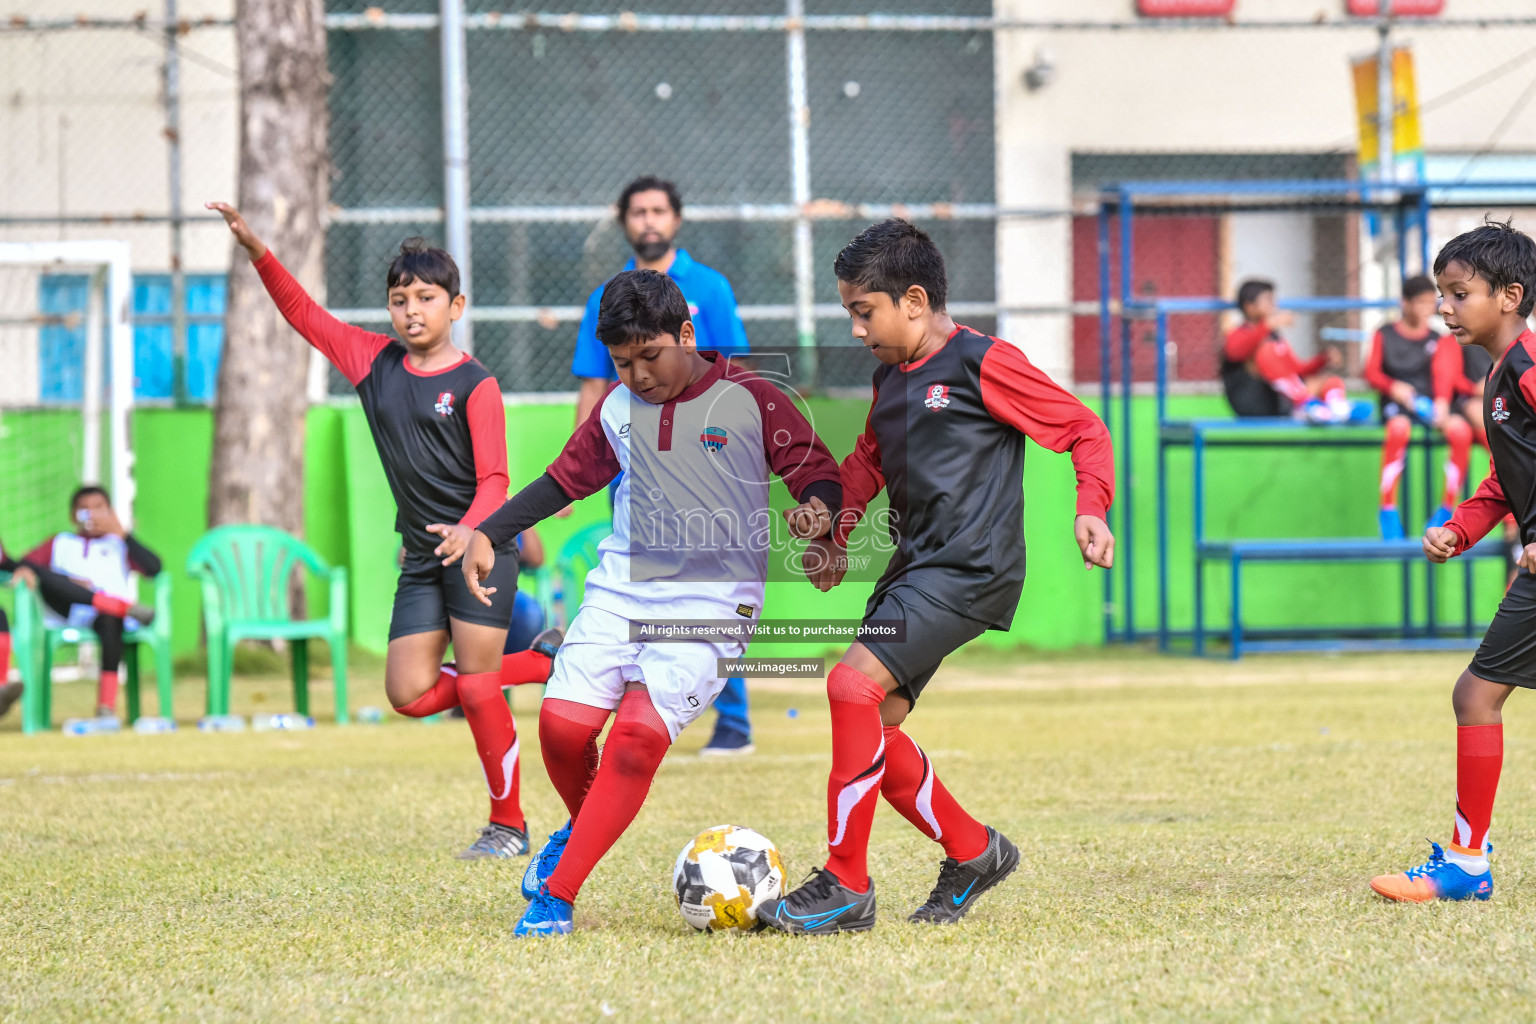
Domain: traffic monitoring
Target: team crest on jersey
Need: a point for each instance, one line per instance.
(1500, 410)
(938, 396)
(444, 404)
(713, 439)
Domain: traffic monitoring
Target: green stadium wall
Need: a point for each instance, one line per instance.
(1320, 492)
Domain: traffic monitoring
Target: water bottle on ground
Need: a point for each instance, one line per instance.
(221, 723)
(91, 726)
(370, 715)
(152, 724)
(286, 722)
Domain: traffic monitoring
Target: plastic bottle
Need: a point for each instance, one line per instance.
(221, 723)
(263, 723)
(150, 724)
(370, 715)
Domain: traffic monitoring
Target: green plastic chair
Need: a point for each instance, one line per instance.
(244, 571)
(37, 644)
(577, 558)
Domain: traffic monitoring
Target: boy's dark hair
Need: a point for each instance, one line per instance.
(1249, 291)
(420, 260)
(1497, 253)
(648, 183)
(891, 257)
(1418, 284)
(640, 306)
(86, 491)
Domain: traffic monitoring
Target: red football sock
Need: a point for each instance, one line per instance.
(5, 657)
(525, 667)
(106, 690)
(114, 606)
(913, 789)
(635, 747)
(1479, 757)
(568, 738)
(442, 695)
(858, 765)
(490, 720)
(1394, 456)
(1458, 436)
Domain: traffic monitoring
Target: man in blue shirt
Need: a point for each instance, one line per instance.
(650, 211)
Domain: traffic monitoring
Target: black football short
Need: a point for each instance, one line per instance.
(430, 593)
(931, 633)
(1508, 651)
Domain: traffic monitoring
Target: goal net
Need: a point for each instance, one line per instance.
(66, 382)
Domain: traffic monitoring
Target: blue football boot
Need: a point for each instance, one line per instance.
(546, 915)
(542, 866)
(1435, 879)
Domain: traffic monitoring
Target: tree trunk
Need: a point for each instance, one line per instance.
(258, 445)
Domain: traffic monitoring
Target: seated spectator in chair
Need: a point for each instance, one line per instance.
(1262, 376)
(1418, 373)
(95, 562)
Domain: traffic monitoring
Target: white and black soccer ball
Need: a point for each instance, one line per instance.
(723, 875)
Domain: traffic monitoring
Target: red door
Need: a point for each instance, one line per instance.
(1174, 256)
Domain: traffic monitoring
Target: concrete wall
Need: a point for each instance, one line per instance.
(1212, 90)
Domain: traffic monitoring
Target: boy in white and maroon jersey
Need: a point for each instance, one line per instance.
(102, 557)
(696, 440)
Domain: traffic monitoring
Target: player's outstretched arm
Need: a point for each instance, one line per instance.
(348, 348)
(253, 246)
(1095, 542)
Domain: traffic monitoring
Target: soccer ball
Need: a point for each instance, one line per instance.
(723, 875)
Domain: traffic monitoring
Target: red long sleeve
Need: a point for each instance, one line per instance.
(41, 556)
(1017, 393)
(1244, 340)
(1447, 371)
(350, 349)
(588, 462)
(488, 433)
(1480, 513)
(862, 480)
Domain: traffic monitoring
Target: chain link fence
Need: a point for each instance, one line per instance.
(901, 115)
(560, 119)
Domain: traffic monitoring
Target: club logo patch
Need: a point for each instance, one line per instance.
(444, 406)
(713, 439)
(1500, 409)
(938, 396)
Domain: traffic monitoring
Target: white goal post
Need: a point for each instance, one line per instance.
(108, 339)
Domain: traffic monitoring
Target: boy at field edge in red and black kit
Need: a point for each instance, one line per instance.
(1487, 282)
(1263, 376)
(1417, 371)
(945, 437)
(440, 428)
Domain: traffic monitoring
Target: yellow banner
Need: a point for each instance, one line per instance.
(1405, 101)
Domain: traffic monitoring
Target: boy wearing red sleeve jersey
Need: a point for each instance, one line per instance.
(1416, 371)
(1263, 376)
(945, 438)
(438, 422)
(1487, 281)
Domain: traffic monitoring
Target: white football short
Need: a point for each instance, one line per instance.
(592, 669)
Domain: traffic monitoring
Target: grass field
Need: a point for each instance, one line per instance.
(1196, 837)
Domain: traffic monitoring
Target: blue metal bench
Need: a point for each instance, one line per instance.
(1344, 549)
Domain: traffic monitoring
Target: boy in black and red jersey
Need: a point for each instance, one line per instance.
(945, 438)
(440, 428)
(1487, 281)
(1417, 370)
